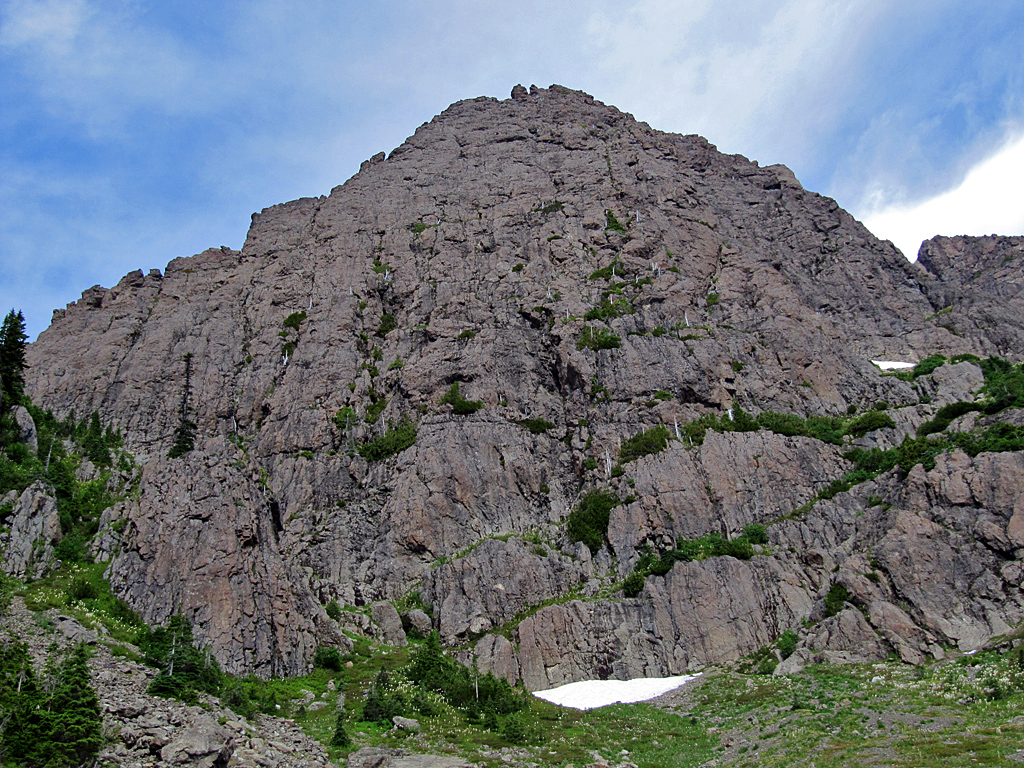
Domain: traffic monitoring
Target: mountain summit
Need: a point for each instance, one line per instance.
(588, 399)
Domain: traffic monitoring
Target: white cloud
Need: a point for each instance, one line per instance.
(51, 25)
(988, 201)
(752, 78)
(96, 63)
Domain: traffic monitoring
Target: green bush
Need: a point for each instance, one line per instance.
(327, 657)
(787, 643)
(598, 338)
(341, 738)
(869, 422)
(612, 223)
(459, 404)
(605, 273)
(928, 365)
(388, 323)
(376, 407)
(184, 668)
(945, 416)
(755, 533)
(645, 443)
(837, 597)
(536, 426)
(184, 438)
(431, 669)
(609, 309)
(588, 521)
(1004, 384)
(294, 320)
(633, 584)
(333, 610)
(82, 588)
(395, 440)
(54, 721)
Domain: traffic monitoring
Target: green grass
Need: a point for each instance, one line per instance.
(827, 716)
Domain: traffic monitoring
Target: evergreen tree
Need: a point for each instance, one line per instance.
(75, 723)
(13, 340)
(185, 432)
(19, 701)
(95, 445)
(341, 737)
(60, 728)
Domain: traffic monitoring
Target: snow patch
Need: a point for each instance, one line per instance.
(590, 694)
(892, 365)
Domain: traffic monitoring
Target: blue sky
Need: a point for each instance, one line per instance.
(134, 132)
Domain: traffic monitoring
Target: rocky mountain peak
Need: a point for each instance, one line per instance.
(401, 392)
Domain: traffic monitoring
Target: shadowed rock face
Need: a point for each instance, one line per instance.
(473, 253)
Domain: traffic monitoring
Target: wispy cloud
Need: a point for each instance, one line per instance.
(987, 201)
(761, 79)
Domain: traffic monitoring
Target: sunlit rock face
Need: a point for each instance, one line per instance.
(497, 247)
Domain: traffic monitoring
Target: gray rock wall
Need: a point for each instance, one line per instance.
(480, 237)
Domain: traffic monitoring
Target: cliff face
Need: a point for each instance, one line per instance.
(473, 253)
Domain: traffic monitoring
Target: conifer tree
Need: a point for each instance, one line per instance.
(95, 445)
(13, 340)
(75, 723)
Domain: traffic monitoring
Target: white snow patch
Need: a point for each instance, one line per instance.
(590, 694)
(892, 365)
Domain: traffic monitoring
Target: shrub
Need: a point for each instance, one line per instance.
(388, 323)
(613, 224)
(469, 333)
(634, 584)
(928, 365)
(514, 729)
(459, 404)
(1004, 384)
(333, 610)
(649, 441)
(184, 669)
(598, 338)
(588, 521)
(82, 589)
(184, 439)
(755, 533)
(327, 657)
(837, 597)
(787, 643)
(377, 405)
(590, 463)
(712, 299)
(294, 320)
(536, 426)
(434, 671)
(869, 422)
(605, 273)
(341, 737)
(396, 440)
(945, 416)
(608, 309)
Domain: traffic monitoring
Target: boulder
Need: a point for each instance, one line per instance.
(389, 624)
(27, 433)
(203, 744)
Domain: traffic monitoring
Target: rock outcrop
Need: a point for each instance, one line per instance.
(583, 277)
(34, 532)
